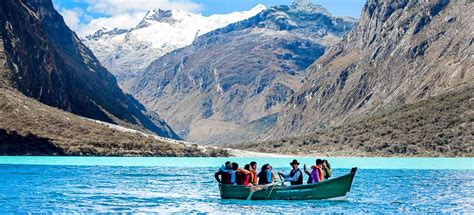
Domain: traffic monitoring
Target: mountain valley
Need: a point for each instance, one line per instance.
(288, 79)
(230, 84)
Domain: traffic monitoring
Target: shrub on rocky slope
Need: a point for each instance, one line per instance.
(28, 127)
(438, 126)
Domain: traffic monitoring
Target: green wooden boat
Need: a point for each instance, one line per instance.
(336, 188)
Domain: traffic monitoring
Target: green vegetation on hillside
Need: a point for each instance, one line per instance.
(438, 126)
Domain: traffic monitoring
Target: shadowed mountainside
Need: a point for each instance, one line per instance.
(26, 145)
(45, 60)
(43, 63)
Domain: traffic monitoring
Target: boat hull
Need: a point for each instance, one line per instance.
(330, 189)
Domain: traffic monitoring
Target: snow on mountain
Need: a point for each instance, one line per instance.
(230, 84)
(125, 51)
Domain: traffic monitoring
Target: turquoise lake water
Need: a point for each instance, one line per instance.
(112, 184)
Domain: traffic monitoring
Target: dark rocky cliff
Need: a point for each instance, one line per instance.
(401, 52)
(45, 60)
(230, 84)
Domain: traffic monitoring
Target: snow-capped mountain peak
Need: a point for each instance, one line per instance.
(306, 5)
(259, 7)
(157, 15)
(125, 51)
(106, 32)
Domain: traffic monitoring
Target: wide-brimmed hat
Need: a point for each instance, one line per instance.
(294, 162)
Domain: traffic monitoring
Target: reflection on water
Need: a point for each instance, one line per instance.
(41, 188)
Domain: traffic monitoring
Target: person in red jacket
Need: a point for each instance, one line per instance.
(244, 175)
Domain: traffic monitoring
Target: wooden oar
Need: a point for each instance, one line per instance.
(281, 179)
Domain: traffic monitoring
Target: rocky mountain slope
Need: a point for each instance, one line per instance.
(45, 60)
(126, 51)
(437, 126)
(401, 52)
(28, 127)
(231, 83)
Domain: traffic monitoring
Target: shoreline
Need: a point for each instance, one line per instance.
(238, 153)
(214, 162)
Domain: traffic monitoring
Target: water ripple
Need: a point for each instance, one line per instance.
(91, 189)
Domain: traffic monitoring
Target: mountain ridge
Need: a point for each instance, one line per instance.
(126, 51)
(230, 83)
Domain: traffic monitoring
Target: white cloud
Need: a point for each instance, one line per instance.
(114, 7)
(117, 21)
(72, 17)
(117, 13)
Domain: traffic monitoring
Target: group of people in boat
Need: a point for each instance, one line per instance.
(230, 173)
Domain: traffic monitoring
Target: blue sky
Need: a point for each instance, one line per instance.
(86, 16)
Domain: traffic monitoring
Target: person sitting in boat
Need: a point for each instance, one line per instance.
(305, 170)
(326, 169)
(274, 175)
(295, 176)
(265, 176)
(317, 174)
(237, 172)
(233, 172)
(253, 171)
(243, 175)
(226, 167)
(224, 174)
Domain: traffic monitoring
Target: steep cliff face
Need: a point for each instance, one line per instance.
(400, 52)
(45, 60)
(230, 84)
